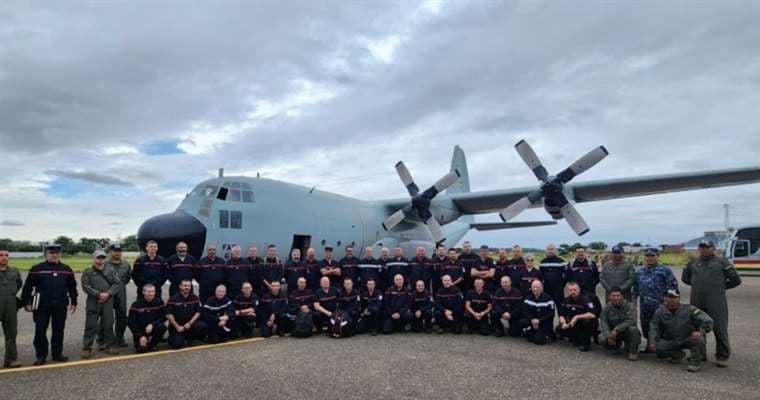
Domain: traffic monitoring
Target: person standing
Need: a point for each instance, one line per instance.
(652, 281)
(150, 268)
(100, 284)
(617, 273)
(55, 291)
(709, 277)
(10, 284)
(553, 271)
(180, 266)
(210, 273)
(124, 273)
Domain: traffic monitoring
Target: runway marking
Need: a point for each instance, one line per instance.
(51, 365)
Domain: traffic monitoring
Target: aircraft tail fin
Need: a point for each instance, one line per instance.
(459, 162)
(462, 185)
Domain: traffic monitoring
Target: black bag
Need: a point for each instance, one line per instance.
(303, 325)
(340, 325)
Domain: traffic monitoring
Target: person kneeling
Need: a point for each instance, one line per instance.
(147, 320)
(275, 309)
(246, 303)
(477, 306)
(183, 311)
(422, 309)
(397, 303)
(218, 314)
(618, 324)
(448, 306)
(676, 327)
(538, 315)
(576, 318)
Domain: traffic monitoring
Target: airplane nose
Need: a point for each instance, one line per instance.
(168, 229)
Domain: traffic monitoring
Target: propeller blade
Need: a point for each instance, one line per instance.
(435, 229)
(406, 178)
(515, 208)
(531, 159)
(573, 217)
(583, 164)
(394, 219)
(442, 184)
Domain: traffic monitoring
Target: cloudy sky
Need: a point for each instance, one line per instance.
(110, 113)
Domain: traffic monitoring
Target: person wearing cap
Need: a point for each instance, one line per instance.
(618, 324)
(617, 272)
(676, 327)
(124, 272)
(709, 277)
(100, 284)
(55, 291)
(553, 271)
(10, 284)
(150, 268)
(652, 281)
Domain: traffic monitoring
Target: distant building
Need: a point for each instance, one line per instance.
(719, 237)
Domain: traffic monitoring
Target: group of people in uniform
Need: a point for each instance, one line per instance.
(513, 295)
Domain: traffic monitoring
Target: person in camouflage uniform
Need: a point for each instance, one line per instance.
(617, 272)
(652, 281)
(709, 277)
(101, 284)
(676, 327)
(618, 324)
(124, 272)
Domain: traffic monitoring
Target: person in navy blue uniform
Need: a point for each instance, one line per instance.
(448, 306)
(180, 266)
(274, 310)
(516, 265)
(300, 300)
(349, 300)
(349, 266)
(150, 268)
(501, 267)
(183, 311)
(272, 270)
(484, 269)
(529, 274)
(219, 315)
(507, 309)
(325, 303)
(477, 305)
(147, 320)
(55, 287)
(422, 309)
(538, 316)
(371, 317)
(312, 269)
(256, 264)
(420, 269)
(246, 312)
(577, 320)
(295, 269)
(553, 270)
(467, 259)
(454, 269)
(436, 263)
(369, 268)
(330, 268)
(397, 265)
(210, 273)
(237, 272)
(397, 301)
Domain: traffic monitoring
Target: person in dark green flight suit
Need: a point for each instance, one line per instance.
(101, 285)
(124, 272)
(709, 277)
(10, 284)
(676, 327)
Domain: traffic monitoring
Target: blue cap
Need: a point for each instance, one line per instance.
(706, 243)
(651, 252)
(617, 249)
(672, 293)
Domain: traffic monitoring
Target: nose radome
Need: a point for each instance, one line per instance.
(168, 229)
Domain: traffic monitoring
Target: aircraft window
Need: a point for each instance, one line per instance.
(222, 195)
(245, 186)
(236, 220)
(234, 195)
(235, 185)
(247, 196)
(224, 219)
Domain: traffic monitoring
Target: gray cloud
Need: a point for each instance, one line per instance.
(91, 177)
(665, 88)
(10, 222)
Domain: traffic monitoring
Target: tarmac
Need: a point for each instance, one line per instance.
(401, 366)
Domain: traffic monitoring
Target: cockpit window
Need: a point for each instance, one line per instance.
(205, 191)
(236, 191)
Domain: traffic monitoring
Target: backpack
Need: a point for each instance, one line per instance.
(303, 325)
(340, 325)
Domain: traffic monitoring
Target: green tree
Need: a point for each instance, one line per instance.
(130, 243)
(597, 245)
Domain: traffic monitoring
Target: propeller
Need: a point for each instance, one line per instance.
(551, 189)
(420, 204)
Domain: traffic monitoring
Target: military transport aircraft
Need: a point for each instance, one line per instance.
(230, 210)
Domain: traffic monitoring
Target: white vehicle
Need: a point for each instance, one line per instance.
(743, 250)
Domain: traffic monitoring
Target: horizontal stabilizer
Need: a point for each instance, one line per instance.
(493, 226)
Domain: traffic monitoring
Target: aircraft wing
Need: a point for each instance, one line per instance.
(495, 200)
(493, 226)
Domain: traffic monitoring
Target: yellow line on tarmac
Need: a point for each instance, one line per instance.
(124, 357)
